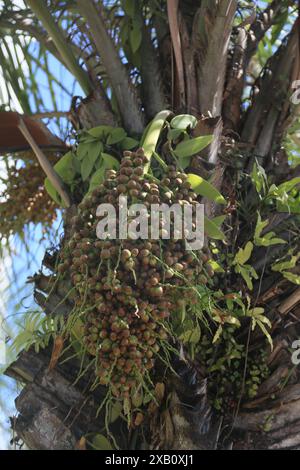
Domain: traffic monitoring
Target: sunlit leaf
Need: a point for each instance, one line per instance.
(284, 265)
(294, 278)
(204, 188)
(190, 147)
(212, 230)
(183, 121)
(217, 334)
(152, 133)
(244, 254)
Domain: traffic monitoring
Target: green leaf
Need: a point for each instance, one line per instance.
(76, 164)
(218, 221)
(212, 230)
(115, 412)
(173, 134)
(254, 312)
(182, 313)
(52, 192)
(190, 147)
(216, 266)
(243, 255)
(217, 334)
(265, 332)
(287, 196)
(289, 185)
(128, 143)
(252, 271)
(94, 151)
(247, 272)
(65, 168)
(260, 225)
(151, 135)
(135, 37)
(273, 191)
(233, 321)
(264, 320)
(246, 276)
(184, 162)
(100, 131)
(183, 121)
(129, 7)
(137, 398)
(77, 330)
(259, 177)
(100, 442)
(107, 162)
(110, 162)
(87, 139)
(97, 179)
(292, 206)
(116, 135)
(87, 166)
(279, 267)
(204, 188)
(294, 278)
(195, 336)
(191, 336)
(268, 239)
(82, 150)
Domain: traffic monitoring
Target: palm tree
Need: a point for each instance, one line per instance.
(222, 68)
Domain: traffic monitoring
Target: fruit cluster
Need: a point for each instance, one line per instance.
(24, 200)
(129, 288)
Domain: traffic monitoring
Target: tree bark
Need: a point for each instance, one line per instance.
(54, 412)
